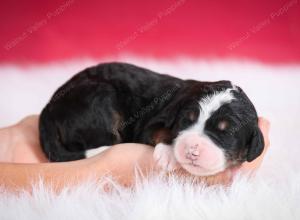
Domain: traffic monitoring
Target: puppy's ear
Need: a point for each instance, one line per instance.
(167, 117)
(256, 145)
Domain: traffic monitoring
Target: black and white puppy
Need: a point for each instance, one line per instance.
(203, 126)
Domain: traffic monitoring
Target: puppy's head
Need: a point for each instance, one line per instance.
(216, 130)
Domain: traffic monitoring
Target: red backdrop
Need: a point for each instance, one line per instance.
(41, 31)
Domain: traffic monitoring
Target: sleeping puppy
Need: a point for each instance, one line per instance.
(203, 126)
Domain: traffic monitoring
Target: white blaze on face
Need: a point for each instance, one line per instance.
(193, 149)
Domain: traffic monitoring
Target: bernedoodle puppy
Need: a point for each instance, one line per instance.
(203, 126)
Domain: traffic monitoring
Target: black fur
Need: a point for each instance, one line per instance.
(116, 102)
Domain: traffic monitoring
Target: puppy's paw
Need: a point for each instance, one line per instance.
(93, 152)
(164, 157)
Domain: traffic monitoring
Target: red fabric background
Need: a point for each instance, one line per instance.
(41, 31)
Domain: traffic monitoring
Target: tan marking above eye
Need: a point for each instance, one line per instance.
(222, 125)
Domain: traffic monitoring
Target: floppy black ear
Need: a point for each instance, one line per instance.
(163, 120)
(256, 145)
(167, 116)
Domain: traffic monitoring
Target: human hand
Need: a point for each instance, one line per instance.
(121, 160)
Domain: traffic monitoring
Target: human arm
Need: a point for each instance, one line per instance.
(119, 161)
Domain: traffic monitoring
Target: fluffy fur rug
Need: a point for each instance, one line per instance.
(273, 194)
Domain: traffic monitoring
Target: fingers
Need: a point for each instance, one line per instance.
(223, 178)
(251, 167)
(264, 126)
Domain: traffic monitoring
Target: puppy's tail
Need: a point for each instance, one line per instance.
(50, 140)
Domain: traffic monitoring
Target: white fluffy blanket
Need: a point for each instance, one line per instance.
(273, 194)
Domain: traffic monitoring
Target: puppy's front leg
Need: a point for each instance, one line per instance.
(164, 157)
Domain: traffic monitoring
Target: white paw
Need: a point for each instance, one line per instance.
(164, 157)
(92, 152)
